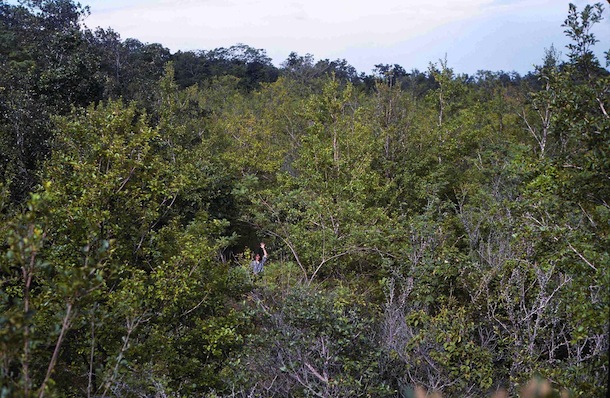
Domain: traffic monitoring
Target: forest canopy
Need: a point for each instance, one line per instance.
(425, 230)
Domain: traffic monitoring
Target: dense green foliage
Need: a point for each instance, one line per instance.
(425, 229)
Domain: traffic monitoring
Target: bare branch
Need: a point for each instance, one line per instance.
(197, 306)
(316, 373)
(292, 249)
(126, 180)
(581, 256)
(348, 251)
(64, 328)
(601, 105)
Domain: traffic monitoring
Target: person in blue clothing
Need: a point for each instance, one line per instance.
(258, 263)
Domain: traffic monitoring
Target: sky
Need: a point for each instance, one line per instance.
(472, 35)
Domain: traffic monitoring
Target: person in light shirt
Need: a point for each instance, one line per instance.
(258, 263)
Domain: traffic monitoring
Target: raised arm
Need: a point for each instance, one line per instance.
(264, 250)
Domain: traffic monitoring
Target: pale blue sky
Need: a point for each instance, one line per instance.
(474, 34)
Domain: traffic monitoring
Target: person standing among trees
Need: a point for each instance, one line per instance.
(257, 264)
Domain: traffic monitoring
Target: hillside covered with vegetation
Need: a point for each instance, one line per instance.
(425, 229)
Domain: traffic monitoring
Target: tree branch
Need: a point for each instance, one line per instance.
(64, 328)
(292, 249)
(601, 105)
(581, 256)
